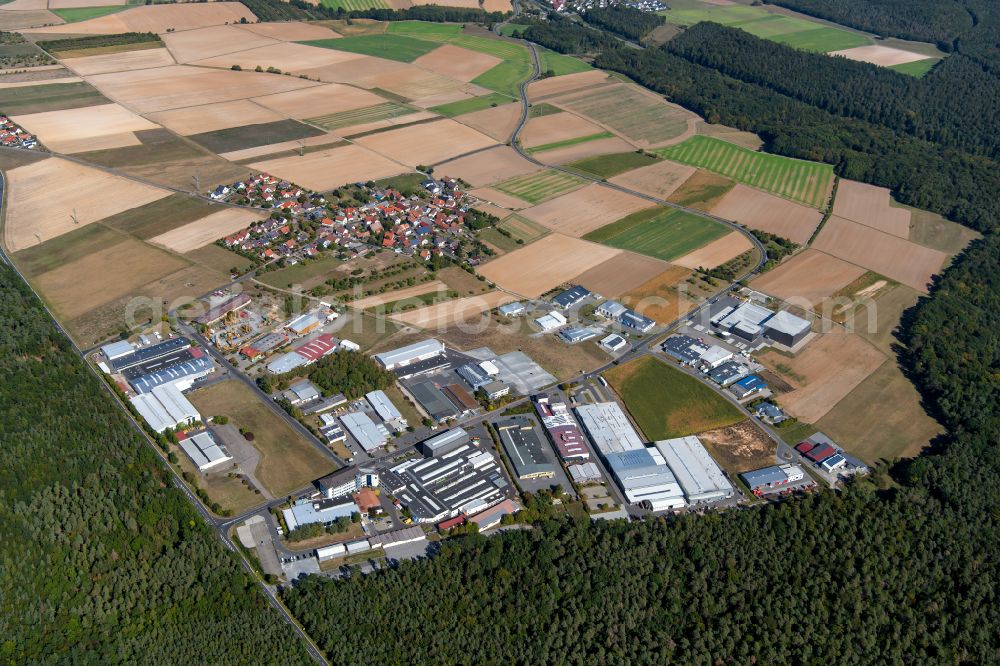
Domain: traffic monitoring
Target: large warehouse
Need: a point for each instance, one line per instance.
(562, 429)
(181, 370)
(524, 448)
(644, 477)
(367, 434)
(750, 321)
(147, 354)
(165, 407)
(404, 356)
(609, 428)
(204, 452)
(699, 476)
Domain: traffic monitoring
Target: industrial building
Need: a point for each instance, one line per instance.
(495, 390)
(147, 354)
(697, 473)
(551, 321)
(433, 401)
(491, 517)
(223, 307)
(318, 347)
(577, 334)
(584, 472)
(728, 372)
(265, 344)
(644, 478)
(302, 392)
(608, 428)
(635, 321)
(182, 374)
(475, 375)
(366, 433)
(750, 321)
(834, 462)
(613, 342)
(116, 350)
(461, 398)
(570, 297)
(524, 448)
(684, 349)
(386, 411)
(610, 309)
(714, 356)
(165, 407)
(449, 440)
(286, 363)
(304, 324)
(562, 429)
(775, 476)
(464, 479)
(325, 511)
(203, 451)
(347, 481)
(748, 386)
(410, 354)
(515, 309)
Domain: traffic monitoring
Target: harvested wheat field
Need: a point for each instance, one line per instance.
(90, 128)
(319, 100)
(43, 82)
(428, 143)
(207, 230)
(487, 167)
(24, 5)
(455, 312)
(556, 127)
(399, 78)
(558, 85)
(579, 151)
(19, 20)
(581, 211)
(824, 372)
(73, 4)
(294, 58)
(717, 252)
(808, 278)
(659, 298)
(327, 169)
(893, 257)
(621, 273)
(490, 209)
(158, 19)
(211, 117)
(364, 127)
(216, 40)
(886, 56)
(150, 90)
(105, 275)
(549, 262)
(497, 123)
(120, 62)
(281, 147)
(399, 294)
(44, 197)
(766, 212)
(290, 32)
(457, 63)
(498, 198)
(869, 205)
(656, 180)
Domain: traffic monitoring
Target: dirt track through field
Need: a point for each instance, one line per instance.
(766, 212)
(883, 253)
(546, 263)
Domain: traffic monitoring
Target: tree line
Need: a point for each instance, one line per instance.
(299, 10)
(624, 21)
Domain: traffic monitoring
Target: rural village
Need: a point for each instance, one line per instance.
(370, 284)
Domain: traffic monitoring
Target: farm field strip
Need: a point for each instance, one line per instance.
(538, 187)
(565, 143)
(649, 120)
(807, 182)
(369, 114)
(663, 233)
(355, 5)
(392, 47)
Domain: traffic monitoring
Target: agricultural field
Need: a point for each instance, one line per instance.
(701, 189)
(807, 182)
(650, 121)
(584, 210)
(49, 97)
(160, 216)
(717, 252)
(154, 56)
(521, 228)
(766, 212)
(370, 114)
(74, 14)
(287, 460)
(664, 233)
(472, 104)
(91, 128)
(659, 179)
(391, 47)
(621, 273)
(664, 297)
(540, 186)
(554, 128)
(250, 136)
(799, 33)
(608, 166)
(566, 143)
(916, 69)
(665, 402)
(559, 64)
(159, 18)
(329, 168)
(424, 29)
(426, 143)
(355, 5)
(544, 89)
(808, 278)
(545, 264)
(307, 274)
(739, 137)
(932, 230)
(457, 312)
(457, 62)
(497, 122)
(886, 56)
(207, 230)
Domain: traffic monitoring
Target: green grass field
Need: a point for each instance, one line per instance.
(368, 114)
(83, 13)
(666, 402)
(540, 186)
(793, 31)
(807, 182)
(559, 64)
(425, 29)
(355, 5)
(302, 273)
(570, 142)
(393, 47)
(607, 166)
(511, 28)
(469, 105)
(648, 119)
(917, 68)
(664, 233)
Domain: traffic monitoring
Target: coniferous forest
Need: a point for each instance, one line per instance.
(102, 559)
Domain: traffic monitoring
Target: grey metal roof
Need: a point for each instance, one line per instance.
(408, 353)
(195, 366)
(758, 478)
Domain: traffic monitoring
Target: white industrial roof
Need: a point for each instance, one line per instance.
(165, 407)
(643, 475)
(696, 471)
(408, 353)
(716, 354)
(204, 451)
(746, 316)
(786, 322)
(118, 349)
(304, 322)
(383, 406)
(364, 430)
(612, 308)
(286, 362)
(609, 428)
(551, 320)
(584, 472)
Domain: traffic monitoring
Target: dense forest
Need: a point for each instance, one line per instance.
(103, 559)
(624, 21)
(299, 10)
(345, 371)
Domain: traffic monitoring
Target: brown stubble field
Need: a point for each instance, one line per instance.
(766, 212)
(487, 167)
(809, 276)
(547, 263)
(870, 206)
(717, 252)
(584, 210)
(623, 273)
(658, 180)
